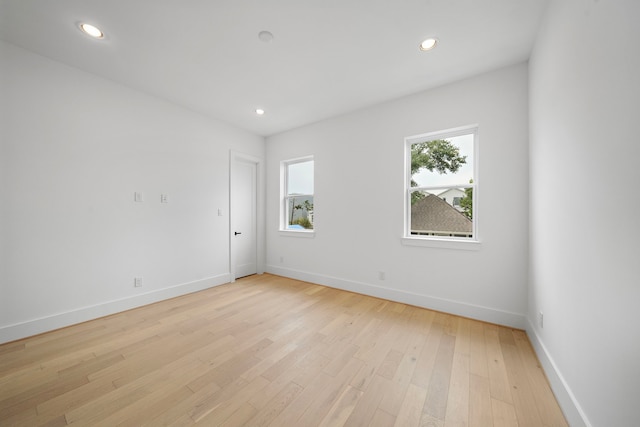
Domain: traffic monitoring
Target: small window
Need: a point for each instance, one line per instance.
(297, 195)
(441, 185)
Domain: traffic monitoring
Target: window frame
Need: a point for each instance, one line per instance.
(449, 242)
(284, 197)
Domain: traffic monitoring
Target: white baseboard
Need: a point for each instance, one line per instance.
(485, 314)
(570, 407)
(61, 320)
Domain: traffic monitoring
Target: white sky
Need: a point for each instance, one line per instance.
(424, 178)
(300, 178)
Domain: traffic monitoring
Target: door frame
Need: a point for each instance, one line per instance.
(234, 158)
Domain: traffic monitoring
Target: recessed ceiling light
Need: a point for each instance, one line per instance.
(259, 111)
(428, 44)
(92, 30)
(265, 36)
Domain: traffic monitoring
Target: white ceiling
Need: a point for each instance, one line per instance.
(327, 57)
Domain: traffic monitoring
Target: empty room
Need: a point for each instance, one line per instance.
(338, 213)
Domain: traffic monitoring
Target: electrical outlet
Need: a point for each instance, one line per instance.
(137, 282)
(381, 275)
(138, 196)
(281, 259)
(541, 320)
(164, 198)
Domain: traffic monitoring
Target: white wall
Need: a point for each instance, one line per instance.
(585, 94)
(359, 178)
(75, 147)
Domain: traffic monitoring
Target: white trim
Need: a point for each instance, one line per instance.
(485, 314)
(443, 243)
(572, 410)
(235, 156)
(60, 320)
(297, 233)
(453, 132)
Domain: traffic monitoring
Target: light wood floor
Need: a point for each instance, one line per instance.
(273, 351)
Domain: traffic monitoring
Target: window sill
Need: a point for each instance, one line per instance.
(464, 245)
(293, 233)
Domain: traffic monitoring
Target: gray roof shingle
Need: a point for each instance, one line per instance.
(431, 214)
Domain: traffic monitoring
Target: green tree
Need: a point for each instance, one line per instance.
(466, 203)
(308, 206)
(438, 155)
(293, 208)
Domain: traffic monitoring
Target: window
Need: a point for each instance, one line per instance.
(441, 184)
(297, 195)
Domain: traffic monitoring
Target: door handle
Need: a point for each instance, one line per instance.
(236, 233)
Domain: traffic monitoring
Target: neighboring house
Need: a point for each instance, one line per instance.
(434, 217)
(453, 197)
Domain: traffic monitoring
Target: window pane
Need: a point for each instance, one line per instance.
(299, 212)
(300, 178)
(433, 212)
(450, 161)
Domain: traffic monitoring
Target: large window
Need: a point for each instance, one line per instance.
(441, 185)
(297, 195)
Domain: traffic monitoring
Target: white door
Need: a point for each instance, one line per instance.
(243, 218)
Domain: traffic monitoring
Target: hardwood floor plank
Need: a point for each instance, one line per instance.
(548, 407)
(500, 388)
(342, 408)
(504, 414)
(343, 357)
(155, 403)
(268, 350)
(449, 323)
(275, 406)
(382, 419)
(390, 364)
(392, 401)
(303, 373)
(100, 408)
(410, 412)
(293, 358)
(374, 359)
(210, 402)
(457, 411)
(367, 405)
(173, 390)
(480, 414)
(135, 414)
(478, 364)
(225, 409)
(326, 391)
(260, 367)
(524, 401)
(74, 398)
(12, 347)
(239, 418)
(427, 358)
(429, 421)
(438, 390)
(37, 394)
(179, 410)
(16, 382)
